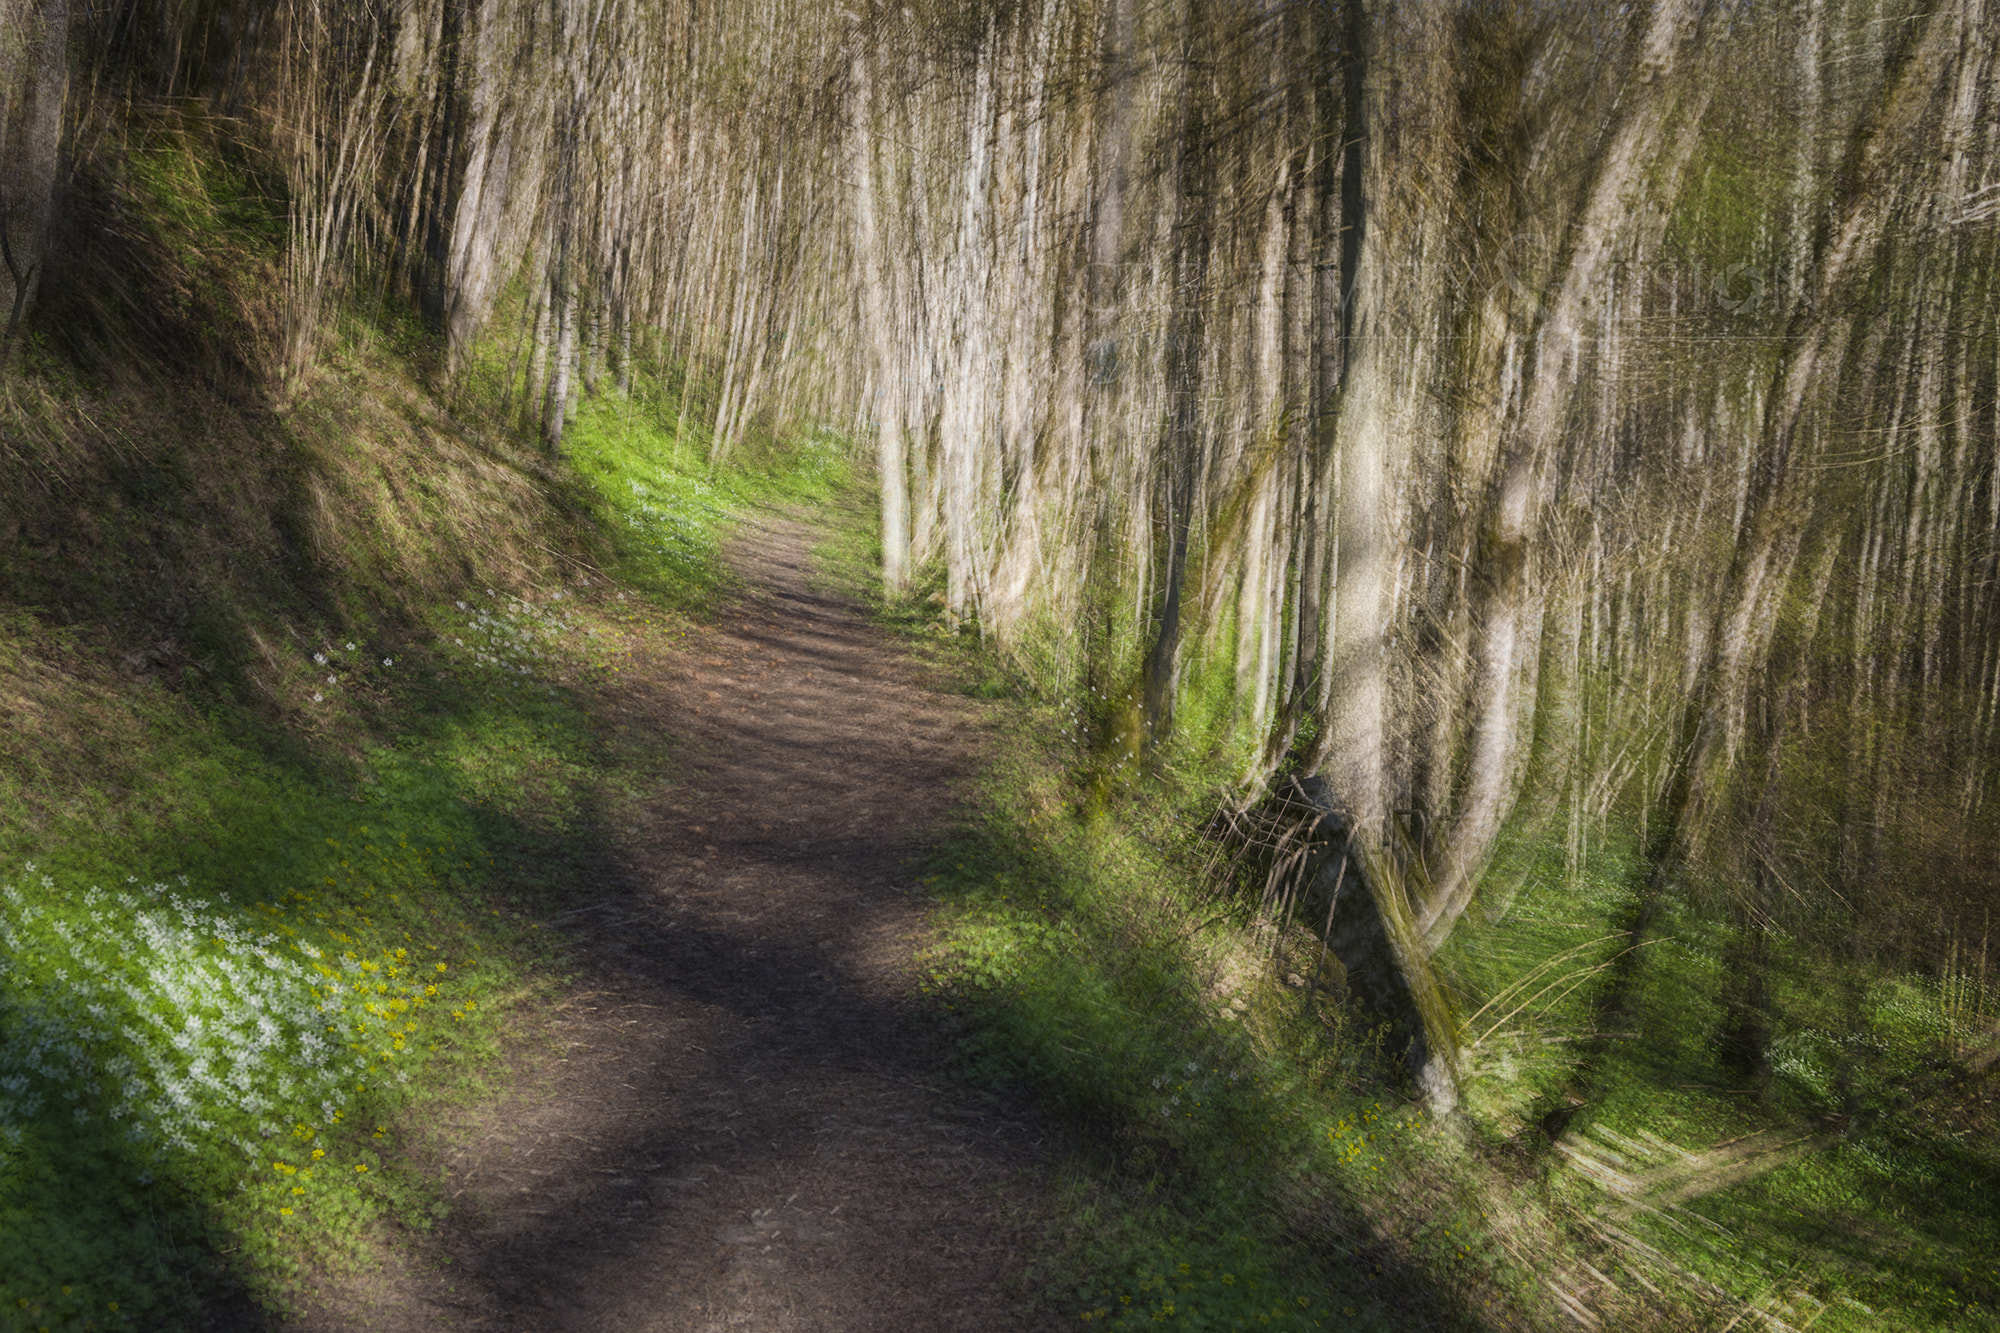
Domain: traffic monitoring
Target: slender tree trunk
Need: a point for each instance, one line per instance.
(30, 138)
(562, 304)
(739, 325)
(1641, 147)
(622, 313)
(1185, 338)
(534, 403)
(1354, 432)
(1104, 295)
(890, 467)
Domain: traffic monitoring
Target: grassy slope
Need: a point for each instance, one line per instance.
(294, 750)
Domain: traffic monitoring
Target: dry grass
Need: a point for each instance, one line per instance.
(73, 731)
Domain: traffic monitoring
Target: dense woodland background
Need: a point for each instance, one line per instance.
(1568, 430)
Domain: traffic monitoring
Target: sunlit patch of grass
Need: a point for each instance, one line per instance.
(219, 1066)
(670, 511)
(1873, 1207)
(164, 1042)
(1235, 1163)
(195, 1035)
(155, 1042)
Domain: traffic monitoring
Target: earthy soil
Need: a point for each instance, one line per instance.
(736, 1119)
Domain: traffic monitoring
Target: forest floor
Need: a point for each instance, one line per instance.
(734, 1116)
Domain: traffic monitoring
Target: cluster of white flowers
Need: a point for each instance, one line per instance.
(823, 457)
(1191, 1087)
(174, 1019)
(1806, 1057)
(513, 640)
(325, 660)
(678, 516)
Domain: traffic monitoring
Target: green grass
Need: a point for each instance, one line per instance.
(267, 902)
(1240, 1154)
(210, 1018)
(668, 510)
(1882, 1215)
(1239, 1159)
(1235, 1156)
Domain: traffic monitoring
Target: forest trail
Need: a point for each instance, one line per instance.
(735, 1120)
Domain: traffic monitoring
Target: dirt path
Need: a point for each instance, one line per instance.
(738, 1124)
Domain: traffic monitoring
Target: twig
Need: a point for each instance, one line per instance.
(579, 911)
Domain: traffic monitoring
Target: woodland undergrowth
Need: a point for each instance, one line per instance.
(296, 757)
(1245, 1151)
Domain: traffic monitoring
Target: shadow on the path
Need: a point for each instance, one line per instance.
(748, 1121)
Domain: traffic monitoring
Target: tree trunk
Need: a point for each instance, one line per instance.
(31, 111)
(562, 305)
(892, 476)
(1353, 432)
(1509, 607)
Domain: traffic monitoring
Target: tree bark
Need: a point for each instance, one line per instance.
(1509, 607)
(1353, 432)
(1186, 328)
(31, 115)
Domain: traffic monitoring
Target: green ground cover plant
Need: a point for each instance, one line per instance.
(668, 506)
(206, 1054)
(1869, 1204)
(1242, 1158)
(271, 889)
(1243, 1155)
(1238, 1153)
